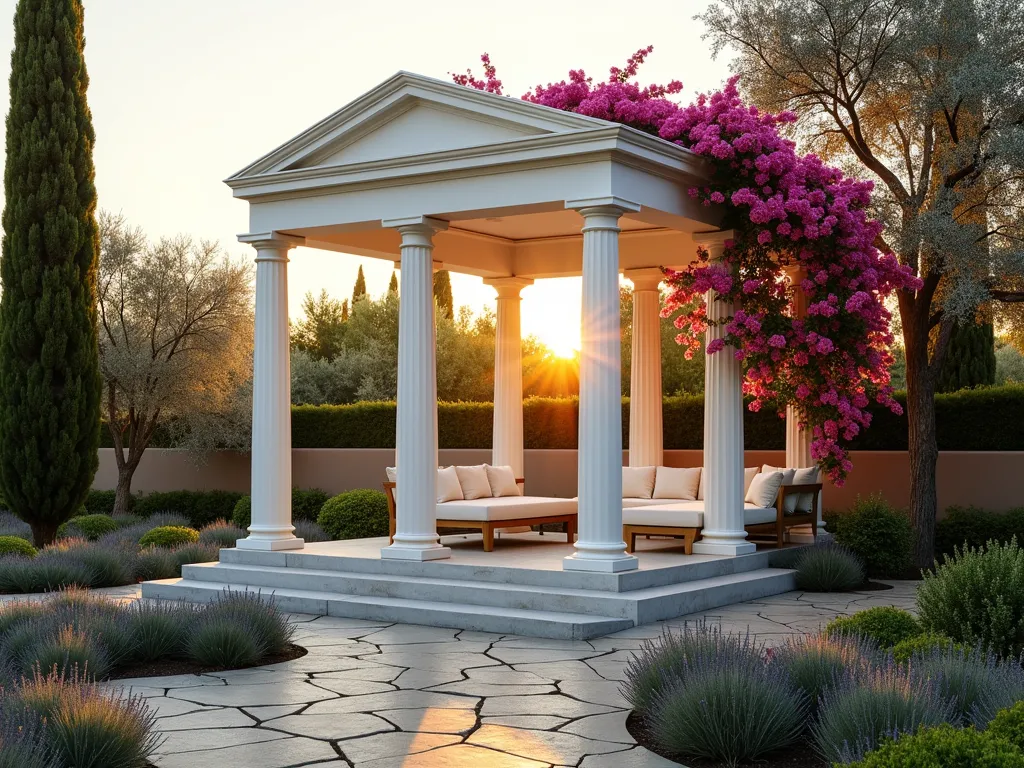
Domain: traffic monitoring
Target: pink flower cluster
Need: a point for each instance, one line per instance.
(802, 233)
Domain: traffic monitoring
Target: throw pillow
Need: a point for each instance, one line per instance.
(764, 489)
(748, 475)
(787, 479)
(392, 473)
(637, 482)
(474, 482)
(448, 487)
(502, 481)
(677, 483)
(802, 502)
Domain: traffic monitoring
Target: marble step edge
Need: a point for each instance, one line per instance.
(627, 581)
(548, 624)
(653, 601)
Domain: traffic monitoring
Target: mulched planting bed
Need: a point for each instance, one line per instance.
(185, 667)
(801, 755)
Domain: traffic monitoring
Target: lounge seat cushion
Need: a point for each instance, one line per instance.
(634, 502)
(689, 514)
(504, 508)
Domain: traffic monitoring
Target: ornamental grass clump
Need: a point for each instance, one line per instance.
(256, 613)
(89, 727)
(660, 663)
(977, 596)
(857, 715)
(156, 563)
(817, 663)
(828, 567)
(65, 651)
(159, 630)
(217, 641)
(884, 624)
(222, 533)
(729, 705)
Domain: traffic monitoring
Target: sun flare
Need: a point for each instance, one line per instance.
(561, 341)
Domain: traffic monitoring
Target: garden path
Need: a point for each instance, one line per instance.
(373, 695)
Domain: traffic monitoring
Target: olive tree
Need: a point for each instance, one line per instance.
(176, 325)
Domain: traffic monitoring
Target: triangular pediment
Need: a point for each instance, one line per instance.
(410, 115)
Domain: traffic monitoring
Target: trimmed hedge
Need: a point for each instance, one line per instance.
(306, 505)
(200, 507)
(974, 527)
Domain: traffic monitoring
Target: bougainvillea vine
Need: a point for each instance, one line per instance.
(798, 224)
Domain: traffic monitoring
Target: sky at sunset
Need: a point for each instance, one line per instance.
(185, 93)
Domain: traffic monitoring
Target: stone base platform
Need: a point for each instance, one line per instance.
(519, 588)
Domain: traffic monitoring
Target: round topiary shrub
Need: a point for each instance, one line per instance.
(1008, 724)
(923, 645)
(359, 514)
(89, 527)
(885, 625)
(977, 596)
(828, 567)
(15, 545)
(169, 536)
(241, 515)
(879, 534)
(944, 745)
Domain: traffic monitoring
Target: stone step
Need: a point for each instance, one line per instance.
(508, 621)
(638, 606)
(692, 568)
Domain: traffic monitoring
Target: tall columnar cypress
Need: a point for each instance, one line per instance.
(359, 289)
(971, 357)
(49, 359)
(443, 293)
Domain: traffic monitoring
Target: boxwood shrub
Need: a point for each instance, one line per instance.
(169, 536)
(358, 514)
(89, 527)
(944, 745)
(886, 625)
(15, 545)
(878, 533)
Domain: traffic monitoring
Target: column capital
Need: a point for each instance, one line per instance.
(714, 241)
(272, 241)
(645, 278)
(602, 212)
(416, 226)
(508, 287)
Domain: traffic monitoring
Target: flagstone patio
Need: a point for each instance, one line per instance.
(376, 695)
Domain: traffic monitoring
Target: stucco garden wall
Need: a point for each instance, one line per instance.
(985, 479)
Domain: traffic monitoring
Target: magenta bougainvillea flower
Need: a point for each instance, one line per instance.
(794, 218)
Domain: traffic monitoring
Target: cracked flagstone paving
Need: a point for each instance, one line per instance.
(377, 695)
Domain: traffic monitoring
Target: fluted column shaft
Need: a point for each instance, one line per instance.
(798, 439)
(416, 433)
(271, 527)
(507, 444)
(646, 446)
(600, 546)
(723, 532)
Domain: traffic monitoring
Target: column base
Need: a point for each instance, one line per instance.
(728, 546)
(602, 565)
(270, 545)
(417, 554)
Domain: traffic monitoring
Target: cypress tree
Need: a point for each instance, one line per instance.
(49, 360)
(443, 293)
(970, 359)
(393, 285)
(360, 287)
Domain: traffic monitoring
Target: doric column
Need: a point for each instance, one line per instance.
(798, 439)
(723, 532)
(600, 546)
(416, 434)
(271, 527)
(508, 374)
(646, 447)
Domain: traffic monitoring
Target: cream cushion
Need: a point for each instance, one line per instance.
(802, 501)
(505, 508)
(748, 475)
(637, 482)
(392, 474)
(502, 481)
(787, 479)
(689, 514)
(448, 487)
(677, 483)
(634, 502)
(764, 489)
(754, 515)
(474, 482)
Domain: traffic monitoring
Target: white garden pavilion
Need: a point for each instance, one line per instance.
(433, 175)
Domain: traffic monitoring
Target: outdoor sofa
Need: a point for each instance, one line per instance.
(487, 498)
(775, 500)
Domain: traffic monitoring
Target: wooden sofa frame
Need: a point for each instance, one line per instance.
(486, 527)
(762, 533)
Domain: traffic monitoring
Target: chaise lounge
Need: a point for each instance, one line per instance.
(775, 500)
(487, 498)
